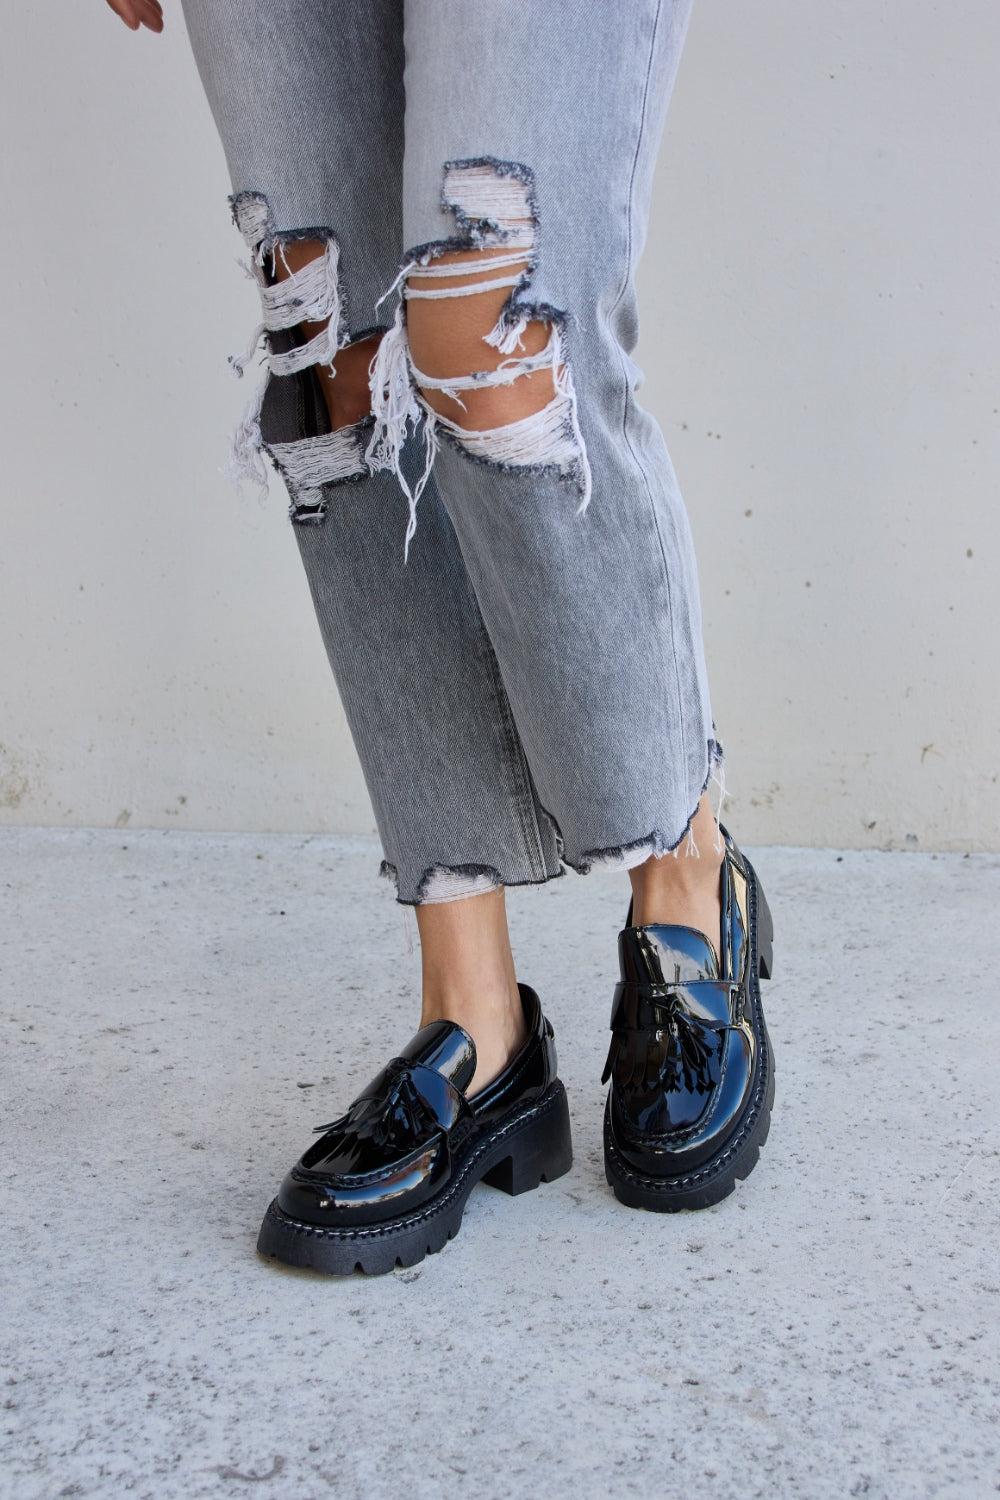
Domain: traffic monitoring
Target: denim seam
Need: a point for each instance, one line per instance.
(628, 398)
(519, 765)
(635, 164)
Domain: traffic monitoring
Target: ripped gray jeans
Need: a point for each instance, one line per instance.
(510, 610)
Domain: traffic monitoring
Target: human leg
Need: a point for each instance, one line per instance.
(266, 108)
(309, 106)
(524, 206)
(567, 515)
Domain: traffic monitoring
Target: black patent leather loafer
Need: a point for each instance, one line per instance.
(691, 1065)
(387, 1183)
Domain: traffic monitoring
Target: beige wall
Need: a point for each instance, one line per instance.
(821, 346)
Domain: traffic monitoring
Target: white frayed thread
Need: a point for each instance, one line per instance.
(405, 270)
(309, 463)
(504, 374)
(507, 336)
(395, 407)
(460, 291)
(541, 439)
(432, 269)
(477, 193)
(306, 296)
(508, 332)
(422, 266)
(567, 391)
(480, 194)
(246, 450)
(717, 778)
(549, 438)
(455, 270)
(253, 218)
(688, 844)
(624, 859)
(441, 884)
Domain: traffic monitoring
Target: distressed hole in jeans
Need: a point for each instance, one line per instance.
(449, 353)
(469, 352)
(313, 429)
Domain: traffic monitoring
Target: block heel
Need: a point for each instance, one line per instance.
(540, 1151)
(765, 931)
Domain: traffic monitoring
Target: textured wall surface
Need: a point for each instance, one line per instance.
(821, 346)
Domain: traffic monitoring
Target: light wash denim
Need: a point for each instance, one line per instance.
(516, 638)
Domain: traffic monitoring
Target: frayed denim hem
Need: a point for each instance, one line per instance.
(441, 882)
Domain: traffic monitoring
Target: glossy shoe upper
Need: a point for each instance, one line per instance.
(399, 1143)
(684, 1046)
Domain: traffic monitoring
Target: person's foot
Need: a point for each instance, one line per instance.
(691, 1066)
(387, 1183)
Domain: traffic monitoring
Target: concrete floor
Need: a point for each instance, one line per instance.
(178, 1011)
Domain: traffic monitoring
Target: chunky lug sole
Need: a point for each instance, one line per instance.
(532, 1146)
(737, 1157)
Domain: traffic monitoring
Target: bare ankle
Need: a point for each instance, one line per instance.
(683, 888)
(493, 1018)
(469, 977)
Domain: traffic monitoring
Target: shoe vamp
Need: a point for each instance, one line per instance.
(385, 1191)
(678, 1139)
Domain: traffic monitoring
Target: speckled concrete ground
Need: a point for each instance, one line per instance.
(179, 1010)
